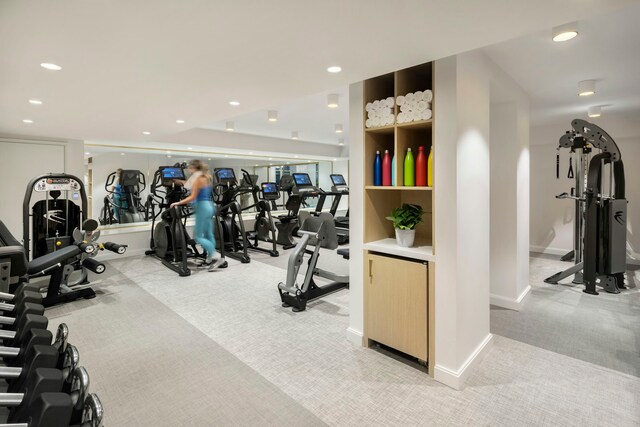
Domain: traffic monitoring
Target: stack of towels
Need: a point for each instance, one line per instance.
(380, 113)
(415, 106)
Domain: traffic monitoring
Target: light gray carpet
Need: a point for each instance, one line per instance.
(603, 329)
(152, 368)
(307, 356)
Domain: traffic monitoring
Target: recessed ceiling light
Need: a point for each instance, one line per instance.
(565, 32)
(586, 87)
(308, 161)
(189, 148)
(29, 121)
(226, 155)
(180, 121)
(288, 163)
(168, 157)
(334, 69)
(255, 165)
(229, 126)
(338, 128)
(270, 164)
(341, 141)
(86, 153)
(122, 154)
(250, 152)
(332, 100)
(272, 115)
(146, 132)
(295, 134)
(209, 159)
(335, 160)
(594, 112)
(35, 102)
(50, 66)
(270, 158)
(168, 152)
(234, 103)
(296, 156)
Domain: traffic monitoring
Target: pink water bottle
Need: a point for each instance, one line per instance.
(386, 168)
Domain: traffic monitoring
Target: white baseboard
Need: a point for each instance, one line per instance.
(633, 258)
(456, 379)
(510, 303)
(355, 336)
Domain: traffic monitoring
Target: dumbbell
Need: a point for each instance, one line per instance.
(25, 322)
(25, 300)
(47, 410)
(43, 380)
(16, 356)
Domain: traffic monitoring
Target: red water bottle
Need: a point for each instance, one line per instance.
(421, 168)
(386, 168)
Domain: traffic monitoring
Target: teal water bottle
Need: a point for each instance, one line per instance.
(393, 170)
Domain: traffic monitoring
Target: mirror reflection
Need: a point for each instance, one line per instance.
(144, 181)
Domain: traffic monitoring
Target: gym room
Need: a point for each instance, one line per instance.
(176, 243)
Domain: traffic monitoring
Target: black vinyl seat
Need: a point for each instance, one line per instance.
(44, 262)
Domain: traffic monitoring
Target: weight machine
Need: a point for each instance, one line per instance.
(599, 241)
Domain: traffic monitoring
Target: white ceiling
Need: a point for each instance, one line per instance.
(136, 65)
(309, 116)
(607, 50)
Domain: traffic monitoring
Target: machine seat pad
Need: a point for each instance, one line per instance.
(42, 263)
(344, 253)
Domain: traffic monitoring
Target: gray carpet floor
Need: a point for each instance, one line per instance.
(218, 349)
(603, 329)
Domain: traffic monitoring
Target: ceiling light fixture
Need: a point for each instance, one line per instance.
(209, 159)
(295, 134)
(146, 132)
(180, 121)
(272, 115)
(564, 32)
(35, 102)
(296, 156)
(29, 121)
(229, 126)
(50, 66)
(122, 154)
(86, 153)
(586, 87)
(234, 103)
(338, 128)
(341, 141)
(332, 100)
(168, 157)
(250, 152)
(335, 160)
(189, 148)
(594, 112)
(334, 69)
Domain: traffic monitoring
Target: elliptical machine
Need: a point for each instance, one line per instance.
(600, 232)
(170, 242)
(123, 202)
(234, 239)
(263, 228)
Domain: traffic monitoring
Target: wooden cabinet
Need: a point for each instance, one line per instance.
(397, 303)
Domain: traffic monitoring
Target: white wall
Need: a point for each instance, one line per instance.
(552, 219)
(356, 198)
(21, 159)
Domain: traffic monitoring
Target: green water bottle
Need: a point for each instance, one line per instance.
(409, 169)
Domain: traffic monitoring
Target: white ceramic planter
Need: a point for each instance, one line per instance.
(405, 238)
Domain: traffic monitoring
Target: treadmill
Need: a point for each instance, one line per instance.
(339, 188)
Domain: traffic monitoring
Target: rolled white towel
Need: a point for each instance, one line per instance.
(410, 97)
(376, 104)
(428, 95)
(368, 107)
(419, 95)
(367, 123)
(400, 100)
(391, 102)
(372, 114)
(402, 117)
(425, 115)
(413, 105)
(404, 108)
(421, 106)
(417, 115)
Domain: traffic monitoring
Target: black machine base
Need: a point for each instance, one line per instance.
(51, 300)
(299, 302)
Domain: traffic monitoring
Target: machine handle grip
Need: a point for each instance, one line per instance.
(115, 247)
(94, 265)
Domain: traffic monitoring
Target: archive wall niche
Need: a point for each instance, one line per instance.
(399, 282)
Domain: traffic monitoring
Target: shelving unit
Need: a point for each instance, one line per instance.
(412, 319)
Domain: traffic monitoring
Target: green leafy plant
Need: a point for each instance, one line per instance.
(406, 217)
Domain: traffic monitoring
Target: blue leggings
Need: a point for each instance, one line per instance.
(205, 210)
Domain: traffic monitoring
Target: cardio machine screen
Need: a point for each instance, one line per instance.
(338, 180)
(302, 179)
(172, 173)
(225, 175)
(269, 188)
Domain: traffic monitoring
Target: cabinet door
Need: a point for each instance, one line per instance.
(397, 304)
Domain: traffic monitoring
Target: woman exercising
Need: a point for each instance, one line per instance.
(201, 184)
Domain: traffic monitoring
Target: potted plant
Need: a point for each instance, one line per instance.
(405, 219)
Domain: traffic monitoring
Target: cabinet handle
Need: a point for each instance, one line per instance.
(370, 270)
